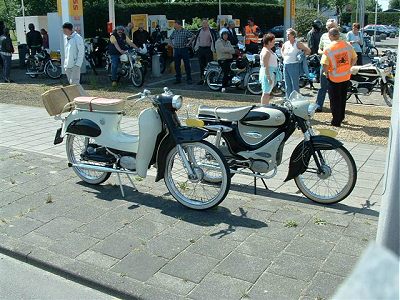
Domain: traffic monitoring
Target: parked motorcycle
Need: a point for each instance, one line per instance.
(368, 78)
(368, 49)
(314, 67)
(42, 63)
(130, 67)
(252, 139)
(147, 55)
(96, 147)
(89, 56)
(245, 70)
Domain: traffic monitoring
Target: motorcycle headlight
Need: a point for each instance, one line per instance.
(177, 102)
(311, 109)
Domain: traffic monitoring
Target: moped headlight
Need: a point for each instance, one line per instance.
(311, 109)
(177, 102)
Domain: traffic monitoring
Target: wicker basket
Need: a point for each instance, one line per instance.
(60, 100)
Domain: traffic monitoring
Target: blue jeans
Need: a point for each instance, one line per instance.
(182, 53)
(323, 90)
(291, 75)
(114, 67)
(6, 66)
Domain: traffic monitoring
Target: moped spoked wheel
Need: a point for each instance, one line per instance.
(31, 68)
(137, 77)
(75, 146)
(214, 80)
(373, 52)
(387, 93)
(337, 180)
(254, 85)
(196, 191)
(53, 69)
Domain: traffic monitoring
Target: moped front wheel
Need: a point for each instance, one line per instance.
(373, 52)
(137, 77)
(53, 69)
(335, 182)
(76, 145)
(253, 84)
(193, 188)
(387, 93)
(214, 80)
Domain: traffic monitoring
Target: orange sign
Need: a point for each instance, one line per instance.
(139, 20)
(75, 8)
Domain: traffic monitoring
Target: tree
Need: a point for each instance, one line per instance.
(9, 9)
(394, 4)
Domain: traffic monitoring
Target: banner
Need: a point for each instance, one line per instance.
(75, 8)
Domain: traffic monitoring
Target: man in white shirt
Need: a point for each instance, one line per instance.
(74, 54)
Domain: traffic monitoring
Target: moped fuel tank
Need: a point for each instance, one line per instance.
(264, 116)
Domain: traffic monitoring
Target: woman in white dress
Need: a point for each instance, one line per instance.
(269, 67)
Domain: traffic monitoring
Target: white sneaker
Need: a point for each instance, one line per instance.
(223, 90)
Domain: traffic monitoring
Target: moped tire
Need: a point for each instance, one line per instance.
(373, 52)
(56, 71)
(303, 82)
(254, 84)
(387, 93)
(347, 174)
(137, 77)
(29, 69)
(72, 143)
(197, 193)
(213, 77)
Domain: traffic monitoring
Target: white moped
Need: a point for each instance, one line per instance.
(96, 147)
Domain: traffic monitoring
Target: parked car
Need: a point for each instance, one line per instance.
(278, 31)
(345, 28)
(370, 30)
(393, 30)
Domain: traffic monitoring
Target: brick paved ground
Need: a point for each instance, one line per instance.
(148, 245)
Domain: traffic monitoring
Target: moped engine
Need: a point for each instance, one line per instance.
(259, 166)
(128, 162)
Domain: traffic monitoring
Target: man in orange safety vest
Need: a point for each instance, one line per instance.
(337, 60)
(252, 33)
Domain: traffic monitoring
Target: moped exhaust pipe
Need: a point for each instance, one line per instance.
(216, 84)
(33, 73)
(100, 168)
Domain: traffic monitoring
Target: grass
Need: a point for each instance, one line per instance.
(291, 224)
(319, 221)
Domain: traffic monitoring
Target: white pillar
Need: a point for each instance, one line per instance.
(111, 12)
(289, 14)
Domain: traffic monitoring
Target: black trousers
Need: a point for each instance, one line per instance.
(252, 48)
(359, 59)
(226, 71)
(337, 92)
(205, 55)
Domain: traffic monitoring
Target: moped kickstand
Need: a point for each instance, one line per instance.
(120, 184)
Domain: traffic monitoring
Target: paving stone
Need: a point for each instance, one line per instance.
(278, 231)
(325, 232)
(119, 245)
(166, 246)
(85, 213)
(7, 197)
(49, 211)
(58, 227)
(272, 286)
(217, 286)
(362, 228)
(20, 227)
(212, 247)
(139, 265)
(284, 215)
(73, 244)
(37, 239)
(339, 264)
(310, 247)
(190, 266)
(265, 203)
(323, 286)
(261, 246)
(171, 283)
(186, 231)
(230, 232)
(97, 259)
(351, 245)
(242, 266)
(100, 228)
(293, 266)
(334, 218)
(153, 293)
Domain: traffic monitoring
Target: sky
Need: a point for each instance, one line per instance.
(384, 4)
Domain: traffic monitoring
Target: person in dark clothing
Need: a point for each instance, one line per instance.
(45, 38)
(314, 36)
(140, 37)
(204, 45)
(34, 39)
(6, 51)
(157, 36)
(232, 37)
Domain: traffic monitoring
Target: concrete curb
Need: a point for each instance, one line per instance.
(69, 269)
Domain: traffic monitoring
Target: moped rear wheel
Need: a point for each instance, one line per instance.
(198, 191)
(75, 146)
(373, 52)
(214, 80)
(387, 93)
(253, 84)
(337, 180)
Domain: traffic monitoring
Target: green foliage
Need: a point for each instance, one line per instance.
(9, 9)
(196, 24)
(385, 18)
(304, 20)
(394, 4)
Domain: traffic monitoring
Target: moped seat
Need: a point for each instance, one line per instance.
(99, 104)
(225, 113)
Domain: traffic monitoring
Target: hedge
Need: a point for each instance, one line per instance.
(265, 15)
(385, 18)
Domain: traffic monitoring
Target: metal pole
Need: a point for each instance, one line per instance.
(357, 13)
(111, 12)
(318, 8)
(286, 14)
(23, 15)
(219, 8)
(376, 20)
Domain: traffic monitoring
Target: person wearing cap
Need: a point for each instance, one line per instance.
(119, 43)
(74, 51)
(337, 60)
(232, 33)
(225, 53)
(204, 45)
(252, 32)
(180, 40)
(324, 44)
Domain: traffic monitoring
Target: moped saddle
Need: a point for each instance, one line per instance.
(99, 104)
(225, 113)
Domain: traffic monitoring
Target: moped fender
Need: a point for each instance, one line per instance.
(302, 153)
(179, 136)
(84, 127)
